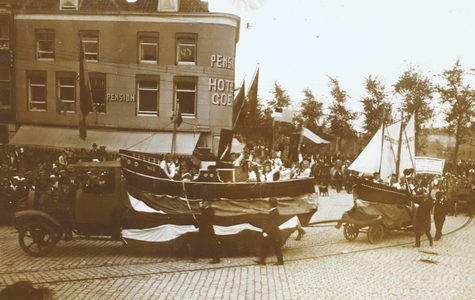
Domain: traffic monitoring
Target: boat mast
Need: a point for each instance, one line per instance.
(398, 161)
(382, 142)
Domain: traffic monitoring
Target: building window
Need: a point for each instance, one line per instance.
(185, 94)
(186, 49)
(98, 89)
(4, 37)
(36, 91)
(45, 44)
(66, 82)
(147, 92)
(90, 43)
(5, 95)
(148, 47)
(68, 4)
(168, 5)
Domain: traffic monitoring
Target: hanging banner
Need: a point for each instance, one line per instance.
(430, 165)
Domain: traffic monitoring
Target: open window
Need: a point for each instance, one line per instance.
(147, 94)
(44, 44)
(148, 47)
(66, 92)
(185, 94)
(36, 90)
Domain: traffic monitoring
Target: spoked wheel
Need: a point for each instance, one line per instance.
(351, 231)
(375, 234)
(37, 238)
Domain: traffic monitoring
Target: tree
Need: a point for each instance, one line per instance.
(312, 111)
(461, 113)
(281, 99)
(256, 129)
(376, 108)
(278, 129)
(416, 91)
(340, 117)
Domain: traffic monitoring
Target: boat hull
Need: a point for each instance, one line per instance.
(374, 192)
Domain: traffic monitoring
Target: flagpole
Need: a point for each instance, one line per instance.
(271, 144)
(398, 161)
(175, 119)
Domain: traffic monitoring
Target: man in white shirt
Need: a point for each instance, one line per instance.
(168, 166)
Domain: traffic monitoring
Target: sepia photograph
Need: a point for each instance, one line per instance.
(237, 149)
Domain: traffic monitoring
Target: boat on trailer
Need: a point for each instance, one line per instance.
(239, 206)
(379, 207)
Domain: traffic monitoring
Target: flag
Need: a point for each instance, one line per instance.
(313, 137)
(85, 95)
(238, 113)
(284, 115)
(252, 96)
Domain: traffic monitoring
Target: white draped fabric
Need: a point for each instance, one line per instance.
(168, 232)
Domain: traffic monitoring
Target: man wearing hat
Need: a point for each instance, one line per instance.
(103, 156)
(422, 221)
(206, 231)
(271, 235)
(95, 153)
(440, 211)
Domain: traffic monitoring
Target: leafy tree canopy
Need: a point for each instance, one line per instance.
(376, 107)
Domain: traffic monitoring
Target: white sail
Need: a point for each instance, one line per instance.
(408, 147)
(380, 155)
(369, 159)
(389, 151)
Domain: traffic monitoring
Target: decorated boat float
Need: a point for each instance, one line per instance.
(165, 210)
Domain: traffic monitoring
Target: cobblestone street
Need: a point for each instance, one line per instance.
(323, 265)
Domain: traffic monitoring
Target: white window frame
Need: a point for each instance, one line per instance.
(39, 50)
(68, 4)
(143, 42)
(30, 94)
(179, 45)
(187, 115)
(146, 113)
(168, 5)
(97, 104)
(92, 40)
(66, 101)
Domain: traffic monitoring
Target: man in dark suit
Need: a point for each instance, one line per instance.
(423, 217)
(271, 235)
(440, 211)
(206, 231)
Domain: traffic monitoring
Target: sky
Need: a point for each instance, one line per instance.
(299, 44)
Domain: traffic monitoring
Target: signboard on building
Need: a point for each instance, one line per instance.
(430, 165)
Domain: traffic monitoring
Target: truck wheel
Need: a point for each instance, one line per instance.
(37, 238)
(351, 231)
(375, 234)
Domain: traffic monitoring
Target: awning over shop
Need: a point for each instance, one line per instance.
(148, 142)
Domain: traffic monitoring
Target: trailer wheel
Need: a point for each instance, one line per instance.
(375, 234)
(37, 238)
(351, 231)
